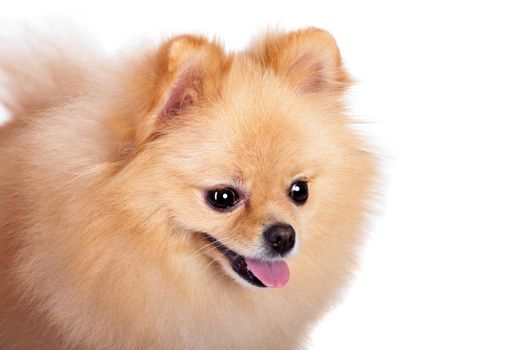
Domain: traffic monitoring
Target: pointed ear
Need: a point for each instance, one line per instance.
(309, 59)
(181, 74)
(194, 67)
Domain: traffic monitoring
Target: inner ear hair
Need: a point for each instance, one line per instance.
(183, 72)
(308, 59)
(183, 93)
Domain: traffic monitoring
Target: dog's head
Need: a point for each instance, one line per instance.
(241, 152)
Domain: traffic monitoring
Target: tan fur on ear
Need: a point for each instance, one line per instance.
(182, 72)
(309, 59)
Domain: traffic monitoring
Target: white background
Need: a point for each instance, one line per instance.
(441, 92)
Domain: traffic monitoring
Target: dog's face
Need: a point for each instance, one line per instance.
(246, 175)
(248, 149)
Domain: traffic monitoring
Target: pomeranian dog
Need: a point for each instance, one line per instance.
(180, 197)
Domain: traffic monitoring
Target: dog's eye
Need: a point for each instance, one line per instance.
(223, 198)
(299, 192)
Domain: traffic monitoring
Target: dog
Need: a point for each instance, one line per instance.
(178, 197)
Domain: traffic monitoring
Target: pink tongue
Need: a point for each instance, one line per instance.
(272, 274)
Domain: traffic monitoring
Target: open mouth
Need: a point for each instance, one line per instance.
(256, 272)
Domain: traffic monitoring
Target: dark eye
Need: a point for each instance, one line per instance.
(299, 192)
(223, 198)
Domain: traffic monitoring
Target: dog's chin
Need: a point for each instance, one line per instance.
(250, 272)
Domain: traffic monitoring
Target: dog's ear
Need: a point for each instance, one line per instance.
(183, 73)
(309, 59)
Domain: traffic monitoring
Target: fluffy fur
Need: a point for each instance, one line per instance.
(102, 173)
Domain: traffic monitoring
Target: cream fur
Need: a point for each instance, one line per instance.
(101, 196)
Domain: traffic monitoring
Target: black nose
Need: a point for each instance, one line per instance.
(280, 238)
